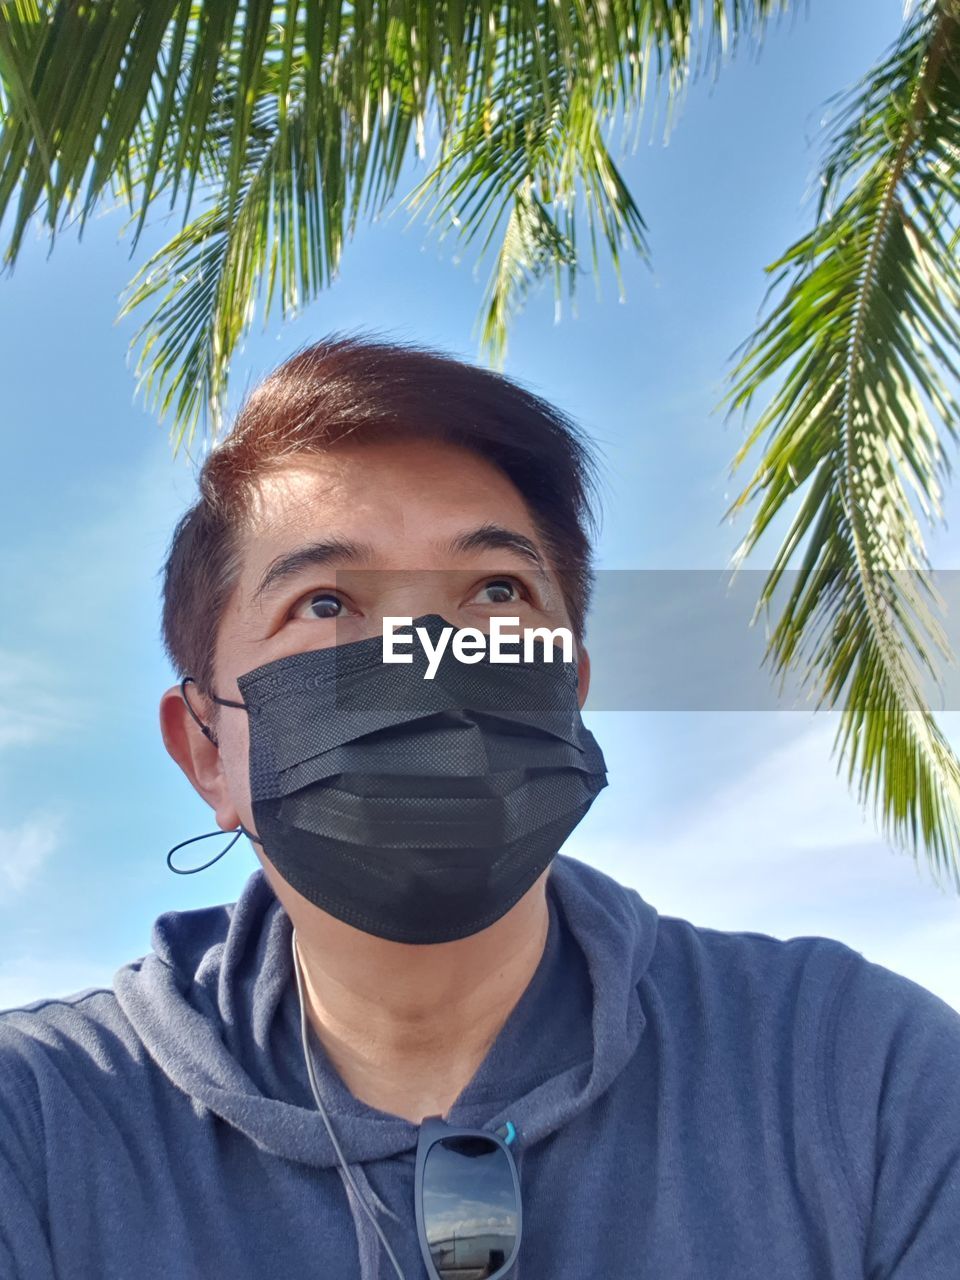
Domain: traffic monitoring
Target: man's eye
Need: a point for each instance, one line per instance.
(499, 591)
(324, 605)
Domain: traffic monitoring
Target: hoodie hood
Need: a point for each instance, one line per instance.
(215, 1004)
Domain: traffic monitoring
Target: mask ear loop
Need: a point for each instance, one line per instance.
(241, 830)
(189, 871)
(224, 702)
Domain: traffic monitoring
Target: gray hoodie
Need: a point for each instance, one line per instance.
(689, 1105)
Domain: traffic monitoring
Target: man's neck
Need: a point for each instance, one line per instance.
(407, 1026)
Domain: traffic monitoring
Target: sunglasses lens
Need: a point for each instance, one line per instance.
(470, 1209)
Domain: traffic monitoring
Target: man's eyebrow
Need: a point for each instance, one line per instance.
(293, 562)
(494, 537)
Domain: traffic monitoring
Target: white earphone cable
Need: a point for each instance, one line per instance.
(320, 1107)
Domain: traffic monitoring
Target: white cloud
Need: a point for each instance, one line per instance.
(787, 810)
(24, 979)
(785, 849)
(32, 706)
(25, 850)
(83, 611)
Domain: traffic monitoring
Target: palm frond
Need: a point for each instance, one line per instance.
(186, 99)
(19, 34)
(865, 345)
(531, 244)
(204, 284)
(527, 167)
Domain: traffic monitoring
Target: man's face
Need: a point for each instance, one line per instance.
(336, 542)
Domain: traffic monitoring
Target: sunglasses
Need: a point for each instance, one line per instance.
(467, 1196)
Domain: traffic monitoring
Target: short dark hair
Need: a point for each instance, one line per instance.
(364, 386)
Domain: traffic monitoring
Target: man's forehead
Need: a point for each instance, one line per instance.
(294, 492)
(311, 518)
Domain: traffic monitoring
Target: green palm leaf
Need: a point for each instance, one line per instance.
(865, 344)
(288, 120)
(527, 165)
(205, 282)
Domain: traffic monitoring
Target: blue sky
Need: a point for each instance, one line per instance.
(734, 820)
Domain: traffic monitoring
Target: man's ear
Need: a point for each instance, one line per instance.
(583, 675)
(194, 752)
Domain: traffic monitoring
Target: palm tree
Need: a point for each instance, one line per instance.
(274, 126)
(863, 349)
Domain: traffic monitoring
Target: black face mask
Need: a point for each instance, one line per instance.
(417, 810)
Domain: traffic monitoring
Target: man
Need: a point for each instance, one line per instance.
(258, 1096)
